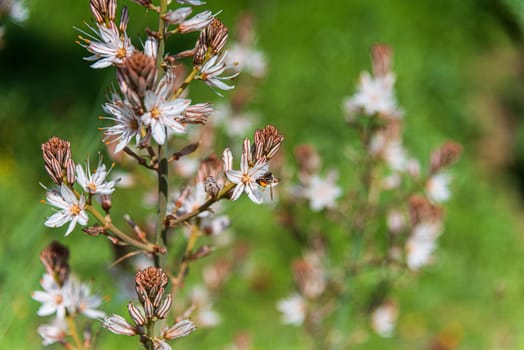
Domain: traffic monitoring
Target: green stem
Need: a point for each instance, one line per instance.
(227, 187)
(74, 333)
(148, 247)
(163, 171)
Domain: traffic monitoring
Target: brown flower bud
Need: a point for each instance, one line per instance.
(57, 159)
(444, 156)
(267, 143)
(55, 260)
(136, 314)
(381, 57)
(422, 210)
(149, 282)
(164, 307)
(137, 75)
(103, 10)
(94, 230)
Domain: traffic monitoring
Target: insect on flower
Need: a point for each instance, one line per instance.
(268, 180)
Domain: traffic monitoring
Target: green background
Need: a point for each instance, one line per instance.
(459, 68)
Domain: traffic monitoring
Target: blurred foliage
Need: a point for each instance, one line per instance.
(459, 66)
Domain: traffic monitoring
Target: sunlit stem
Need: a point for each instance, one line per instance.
(148, 247)
(73, 331)
(195, 233)
(186, 82)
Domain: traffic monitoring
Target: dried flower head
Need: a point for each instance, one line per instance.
(267, 143)
(136, 75)
(149, 283)
(444, 156)
(103, 10)
(214, 36)
(57, 159)
(55, 260)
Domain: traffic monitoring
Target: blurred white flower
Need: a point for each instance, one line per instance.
(322, 192)
(437, 187)
(72, 209)
(422, 243)
(204, 315)
(83, 302)
(374, 95)
(383, 319)
(248, 59)
(293, 310)
(54, 298)
(54, 332)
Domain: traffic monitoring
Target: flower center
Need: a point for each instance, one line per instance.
(121, 53)
(75, 209)
(59, 299)
(155, 113)
(92, 187)
(246, 178)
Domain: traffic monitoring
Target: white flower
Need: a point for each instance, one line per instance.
(322, 193)
(112, 49)
(16, 10)
(150, 46)
(194, 200)
(118, 325)
(213, 68)
(395, 155)
(374, 95)
(205, 316)
(82, 301)
(191, 2)
(248, 59)
(179, 15)
(54, 299)
(161, 113)
(422, 243)
(437, 187)
(180, 329)
(127, 124)
(293, 310)
(198, 22)
(95, 183)
(54, 332)
(383, 319)
(72, 209)
(245, 178)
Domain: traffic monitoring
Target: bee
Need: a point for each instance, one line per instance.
(268, 180)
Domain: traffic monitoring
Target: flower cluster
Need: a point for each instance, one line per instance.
(63, 296)
(71, 205)
(392, 216)
(155, 304)
(147, 107)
